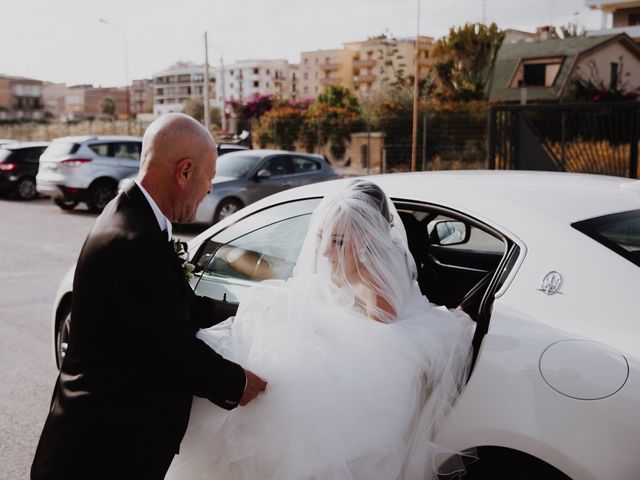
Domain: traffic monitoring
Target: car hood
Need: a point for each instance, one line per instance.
(222, 179)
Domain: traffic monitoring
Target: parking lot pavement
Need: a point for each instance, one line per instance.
(38, 244)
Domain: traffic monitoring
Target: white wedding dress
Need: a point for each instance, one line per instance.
(348, 397)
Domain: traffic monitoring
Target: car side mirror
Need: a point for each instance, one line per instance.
(263, 174)
(450, 232)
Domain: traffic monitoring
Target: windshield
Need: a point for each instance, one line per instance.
(619, 232)
(236, 164)
(61, 148)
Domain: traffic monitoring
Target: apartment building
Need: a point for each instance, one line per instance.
(618, 16)
(20, 98)
(244, 79)
(380, 61)
(141, 96)
(363, 66)
(180, 82)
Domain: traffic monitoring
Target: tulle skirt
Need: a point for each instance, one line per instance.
(347, 397)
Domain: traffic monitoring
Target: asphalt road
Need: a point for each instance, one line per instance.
(38, 244)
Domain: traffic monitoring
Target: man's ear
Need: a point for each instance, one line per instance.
(184, 171)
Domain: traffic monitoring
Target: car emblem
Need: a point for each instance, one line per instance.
(551, 283)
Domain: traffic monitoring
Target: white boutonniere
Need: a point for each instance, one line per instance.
(182, 253)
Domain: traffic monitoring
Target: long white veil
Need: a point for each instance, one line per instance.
(357, 239)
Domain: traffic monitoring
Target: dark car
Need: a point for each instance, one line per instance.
(19, 164)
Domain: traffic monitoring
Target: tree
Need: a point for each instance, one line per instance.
(107, 106)
(568, 31)
(194, 107)
(464, 61)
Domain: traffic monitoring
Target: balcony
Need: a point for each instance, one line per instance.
(328, 67)
(370, 62)
(329, 81)
(370, 78)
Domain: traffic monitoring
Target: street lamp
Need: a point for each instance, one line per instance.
(126, 71)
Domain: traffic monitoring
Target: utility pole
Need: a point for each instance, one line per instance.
(224, 101)
(206, 113)
(416, 77)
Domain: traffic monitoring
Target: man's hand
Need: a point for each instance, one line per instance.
(255, 385)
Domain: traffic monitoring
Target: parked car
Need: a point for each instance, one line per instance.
(546, 264)
(18, 168)
(224, 148)
(87, 169)
(244, 176)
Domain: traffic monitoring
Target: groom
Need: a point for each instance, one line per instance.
(121, 403)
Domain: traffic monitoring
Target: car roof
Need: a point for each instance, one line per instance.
(265, 152)
(520, 201)
(18, 145)
(100, 138)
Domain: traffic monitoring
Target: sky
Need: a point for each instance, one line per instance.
(63, 41)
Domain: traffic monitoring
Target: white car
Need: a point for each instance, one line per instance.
(547, 264)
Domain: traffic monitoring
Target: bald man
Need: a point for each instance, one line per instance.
(121, 403)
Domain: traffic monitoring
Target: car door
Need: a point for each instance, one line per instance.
(305, 170)
(279, 167)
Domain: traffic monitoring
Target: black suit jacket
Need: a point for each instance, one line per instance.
(121, 403)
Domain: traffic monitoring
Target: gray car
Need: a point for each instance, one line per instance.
(87, 169)
(246, 176)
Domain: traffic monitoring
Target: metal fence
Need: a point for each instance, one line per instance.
(587, 138)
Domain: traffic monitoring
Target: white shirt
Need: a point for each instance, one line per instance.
(163, 222)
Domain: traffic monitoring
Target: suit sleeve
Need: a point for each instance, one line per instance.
(160, 316)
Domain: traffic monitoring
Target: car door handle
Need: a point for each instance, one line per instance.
(286, 184)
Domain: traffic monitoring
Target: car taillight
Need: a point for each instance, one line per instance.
(75, 162)
(7, 167)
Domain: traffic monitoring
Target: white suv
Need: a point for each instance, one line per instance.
(87, 169)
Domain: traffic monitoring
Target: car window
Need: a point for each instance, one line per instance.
(4, 154)
(235, 164)
(304, 165)
(62, 148)
(33, 154)
(263, 245)
(619, 232)
(129, 150)
(102, 149)
(277, 165)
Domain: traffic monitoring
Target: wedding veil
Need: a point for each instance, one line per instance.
(357, 240)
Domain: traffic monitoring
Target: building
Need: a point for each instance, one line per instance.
(618, 16)
(179, 83)
(245, 79)
(363, 66)
(141, 96)
(320, 68)
(20, 98)
(543, 71)
(53, 98)
(93, 96)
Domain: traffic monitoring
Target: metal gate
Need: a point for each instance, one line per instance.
(587, 138)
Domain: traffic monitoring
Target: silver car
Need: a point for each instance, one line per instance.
(87, 169)
(246, 176)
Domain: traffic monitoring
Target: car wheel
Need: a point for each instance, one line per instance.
(26, 188)
(62, 337)
(100, 193)
(65, 204)
(226, 207)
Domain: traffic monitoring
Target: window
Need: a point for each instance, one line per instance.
(266, 243)
(130, 150)
(101, 149)
(619, 232)
(536, 72)
(277, 166)
(634, 19)
(304, 165)
(614, 76)
(256, 71)
(305, 76)
(256, 83)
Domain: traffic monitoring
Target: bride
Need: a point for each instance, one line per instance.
(360, 366)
